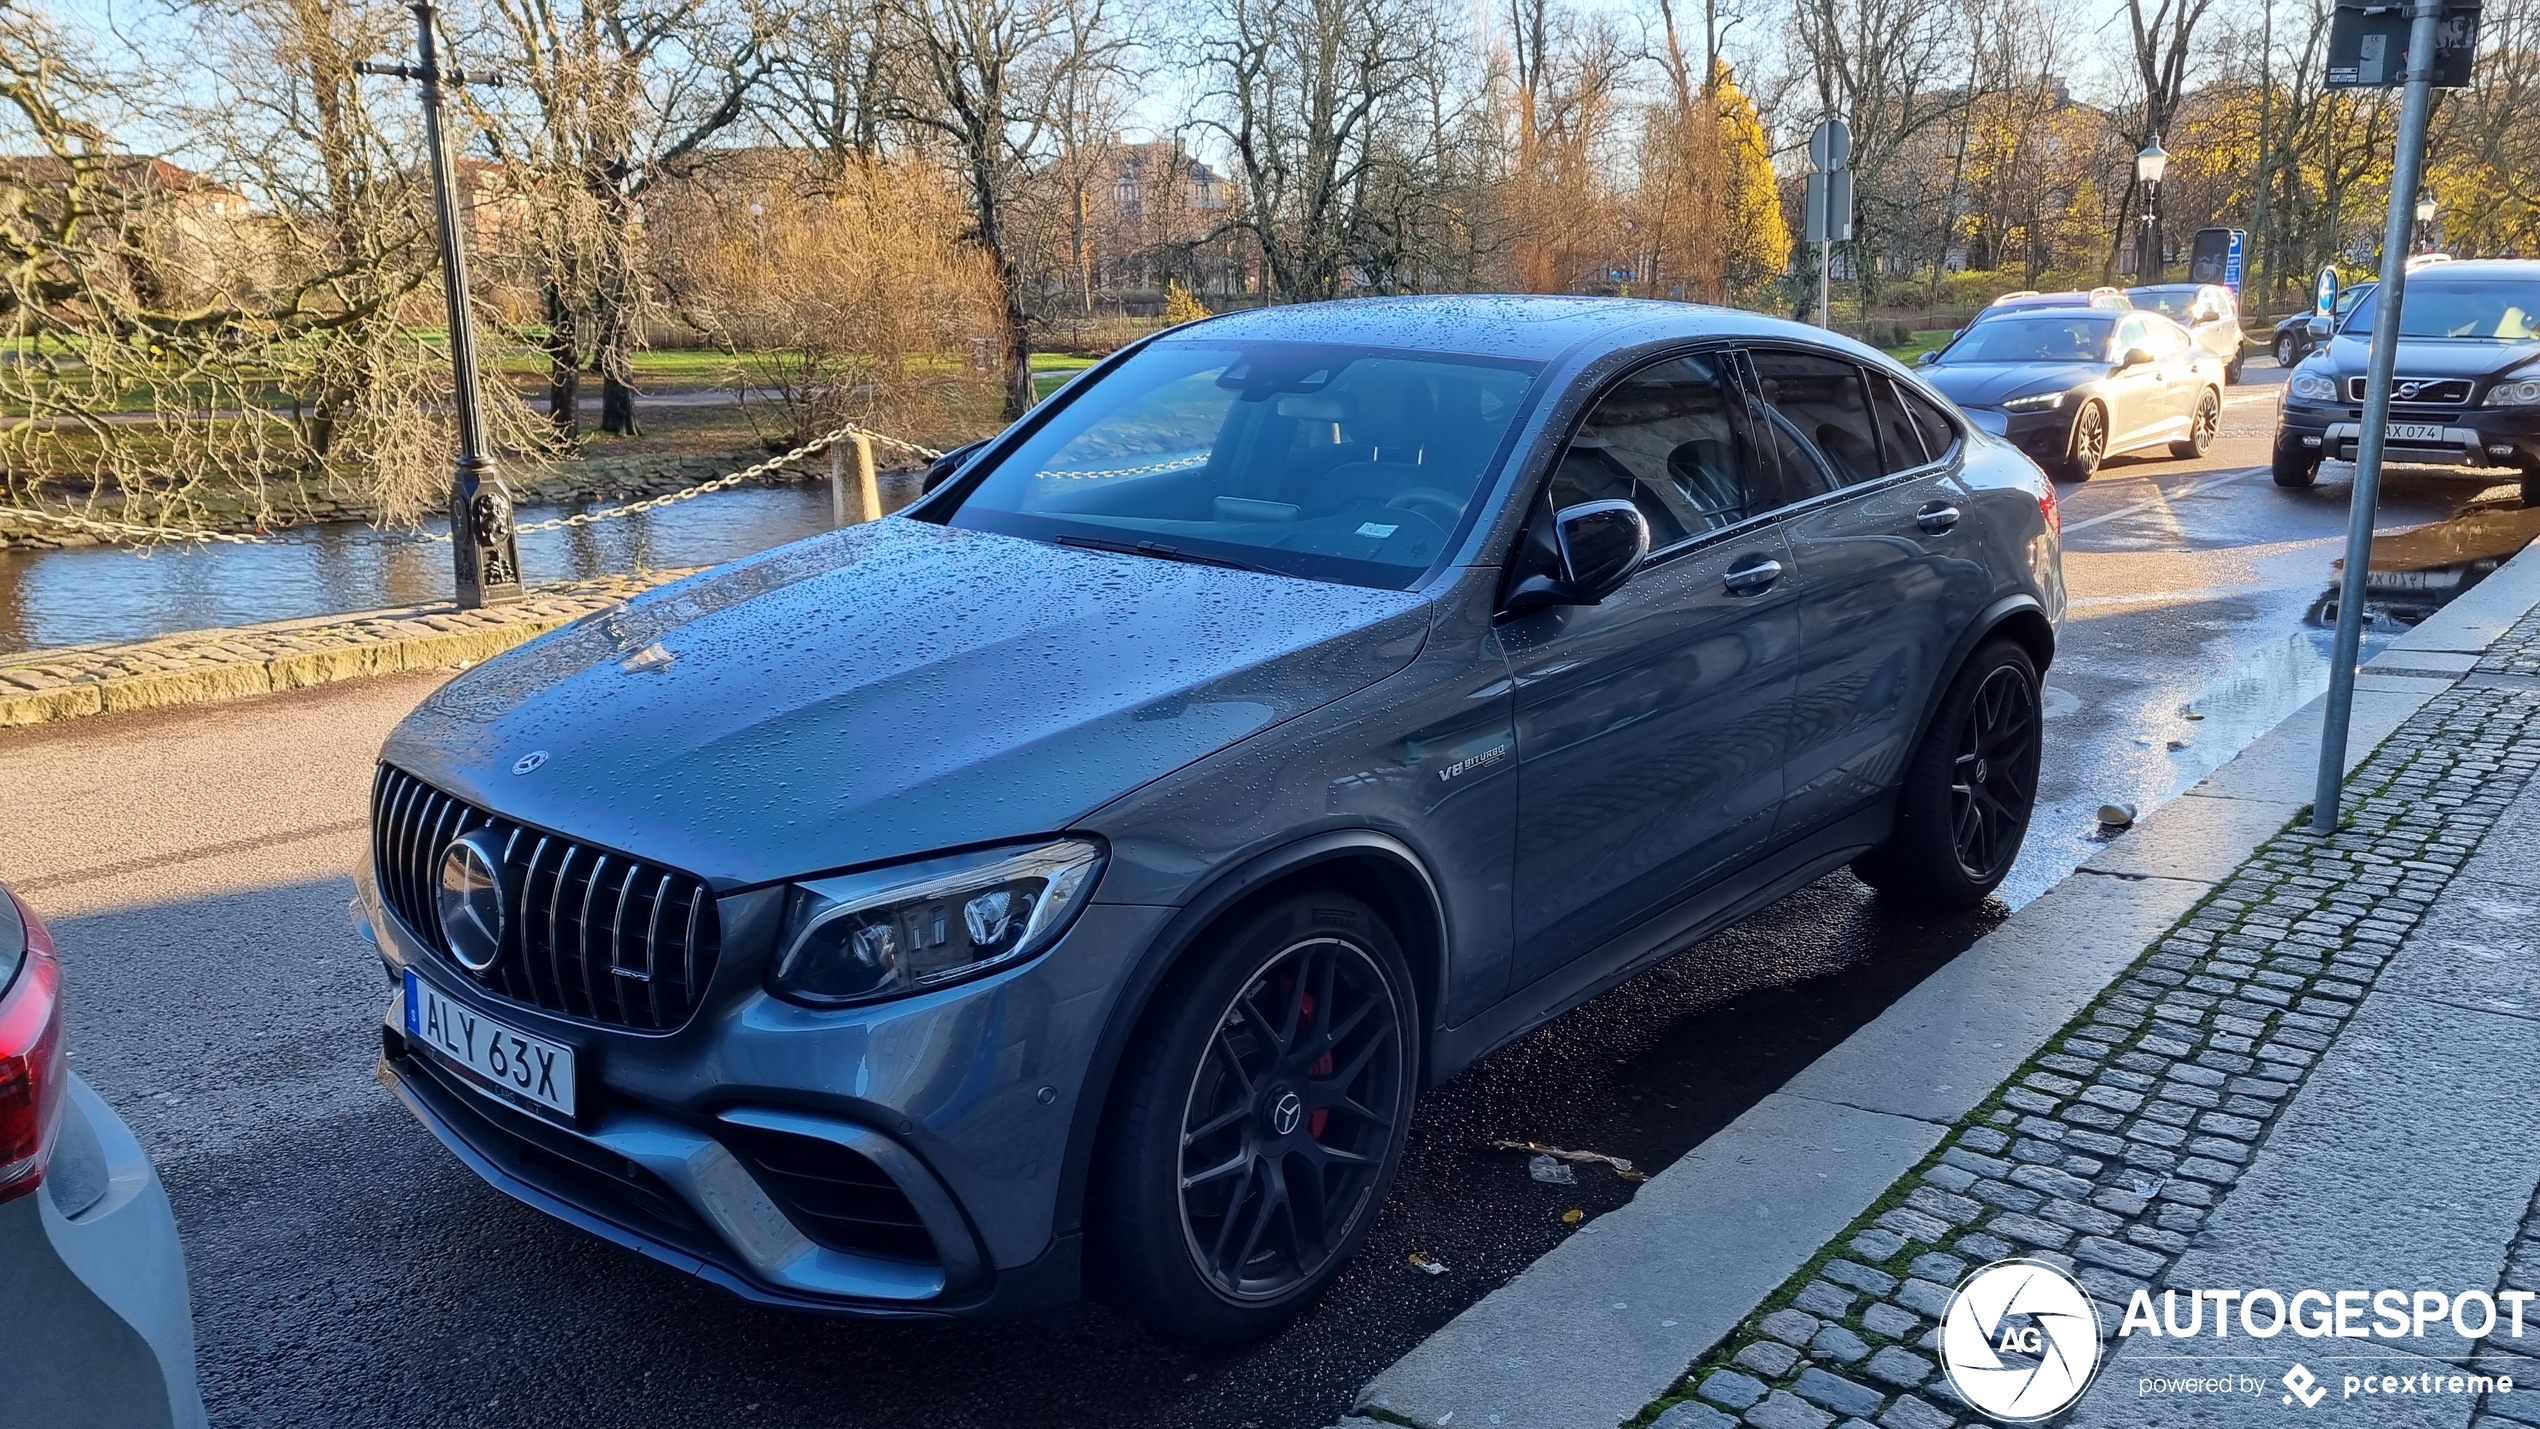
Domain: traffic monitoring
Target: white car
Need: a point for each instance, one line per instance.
(2210, 314)
(95, 1328)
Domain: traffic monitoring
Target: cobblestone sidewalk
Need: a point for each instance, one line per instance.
(2108, 1151)
(42, 686)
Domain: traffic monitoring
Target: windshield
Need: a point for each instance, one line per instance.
(1345, 464)
(2496, 309)
(2168, 302)
(2077, 335)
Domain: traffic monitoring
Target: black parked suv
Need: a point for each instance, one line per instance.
(1075, 877)
(2467, 388)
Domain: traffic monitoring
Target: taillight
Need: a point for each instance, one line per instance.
(31, 1076)
(2047, 508)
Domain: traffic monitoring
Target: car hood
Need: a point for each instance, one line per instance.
(1982, 384)
(2436, 357)
(890, 689)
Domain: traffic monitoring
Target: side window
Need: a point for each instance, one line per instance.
(2167, 340)
(1827, 406)
(2130, 335)
(1939, 433)
(1665, 441)
(1899, 442)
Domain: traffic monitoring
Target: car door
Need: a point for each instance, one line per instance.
(2180, 363)
(2138, 402)
(1651, 727)
(1887, 579)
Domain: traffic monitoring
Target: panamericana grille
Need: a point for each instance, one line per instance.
(2436, 391)
(590, 933)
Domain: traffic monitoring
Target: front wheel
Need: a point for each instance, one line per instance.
(2287, 351)
(2231, 371)
(1263, 1114)
(1964, 806)
(2200, 428)
(2089, 444)
(2295, 468)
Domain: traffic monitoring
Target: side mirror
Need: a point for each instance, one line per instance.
(940, 470)
(2136, 357)
(1597, 545)
(1927, 359)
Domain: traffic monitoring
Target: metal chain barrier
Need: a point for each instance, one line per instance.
(817, 444)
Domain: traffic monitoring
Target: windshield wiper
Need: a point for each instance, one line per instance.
(1164, 552)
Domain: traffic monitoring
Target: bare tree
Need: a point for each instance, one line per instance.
(1875, 63)
(618, 92)
(2163, 49)
(1298, 91)
(986, 78)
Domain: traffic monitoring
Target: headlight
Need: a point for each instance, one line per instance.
(2042, 402)
(2519, 392)
(895, 931)
(2312, 387)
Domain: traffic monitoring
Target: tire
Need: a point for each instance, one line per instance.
(1968, 792)
(2287, 351)
(2231, 370)
(2295, 469)
(1240, 1098)
(2200, 427)
(2088, 445)
(2531, 486)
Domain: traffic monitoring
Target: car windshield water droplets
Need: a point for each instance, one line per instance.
(1343, 464)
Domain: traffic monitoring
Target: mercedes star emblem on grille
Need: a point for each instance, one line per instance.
(471, 901)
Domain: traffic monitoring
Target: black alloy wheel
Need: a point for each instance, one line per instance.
(2089, 444)
(1964, 804)
(1265, 1108)
(1289, 1118)
(2200, 427)
(1995, 774)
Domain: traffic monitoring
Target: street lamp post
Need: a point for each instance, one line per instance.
(2149, 165)
(485, 553)
(2425, 221)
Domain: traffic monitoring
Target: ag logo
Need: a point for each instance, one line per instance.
(2020, 1341)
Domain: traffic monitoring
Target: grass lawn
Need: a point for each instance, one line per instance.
(1052, 370)
(1929, 339)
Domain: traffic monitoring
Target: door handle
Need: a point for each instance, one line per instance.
(1747, 580)
(1937, 517)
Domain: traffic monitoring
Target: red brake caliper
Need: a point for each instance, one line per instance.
(1322, 1067)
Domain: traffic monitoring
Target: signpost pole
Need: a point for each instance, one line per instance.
(2407, 171)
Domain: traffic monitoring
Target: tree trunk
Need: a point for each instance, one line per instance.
(564, 370)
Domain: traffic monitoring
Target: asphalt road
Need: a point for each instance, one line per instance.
(347, 1271)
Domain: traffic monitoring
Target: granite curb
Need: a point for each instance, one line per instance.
(196, 667)
(1546, 1349)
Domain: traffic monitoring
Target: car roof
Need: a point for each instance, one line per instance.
(2526, 269)
(1503, 325)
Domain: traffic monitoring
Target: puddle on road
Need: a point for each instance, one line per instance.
(2414, 572)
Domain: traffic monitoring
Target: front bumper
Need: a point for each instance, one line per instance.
(2470, 437)
(2045, 436)
(97, 1331)
(953, 1111)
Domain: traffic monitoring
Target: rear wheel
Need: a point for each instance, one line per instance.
(2200, 427)
(1964, 806)
(2295, 468)
(2089, 444)
(1263, 1116)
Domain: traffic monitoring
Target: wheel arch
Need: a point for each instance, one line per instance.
(1376, 867)
(2020, 616)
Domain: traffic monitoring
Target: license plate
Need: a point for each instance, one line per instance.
(2416, 431)
(530, 1068)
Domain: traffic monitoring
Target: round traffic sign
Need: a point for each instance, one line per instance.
(1830, 145)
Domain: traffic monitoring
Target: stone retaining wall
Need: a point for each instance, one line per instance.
(44, 686)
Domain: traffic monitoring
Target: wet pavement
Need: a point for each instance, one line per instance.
(348, 1271)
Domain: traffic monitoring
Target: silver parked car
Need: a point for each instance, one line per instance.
(2210, 314)
(95, 1328)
